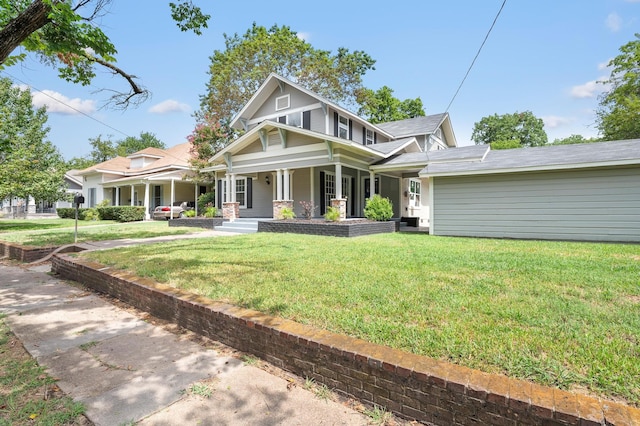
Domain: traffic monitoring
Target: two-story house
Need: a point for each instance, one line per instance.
(298, 146)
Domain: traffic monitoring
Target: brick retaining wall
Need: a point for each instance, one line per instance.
(411, 386)
(24, 253)
(334, 229)
(197, 222)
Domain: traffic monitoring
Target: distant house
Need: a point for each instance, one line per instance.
(19, 207)
(149, 178)
(298, 146)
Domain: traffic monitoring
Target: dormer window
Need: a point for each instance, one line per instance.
(369, 137)
(283, 102)
(343, 127)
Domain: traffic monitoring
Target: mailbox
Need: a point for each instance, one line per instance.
(78, 199)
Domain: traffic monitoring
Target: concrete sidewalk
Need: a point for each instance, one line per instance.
(126, 370)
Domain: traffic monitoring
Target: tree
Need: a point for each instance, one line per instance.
(64, 34)
(237, 72)
(133, 144)
(29, 164)
(574, 139)
(618, 115)
(102, 150)
(209, 136)
(381, 106)
(521, 126)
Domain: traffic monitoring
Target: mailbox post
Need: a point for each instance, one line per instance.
(77, 200)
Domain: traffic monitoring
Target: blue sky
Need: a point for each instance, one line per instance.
(544, 56)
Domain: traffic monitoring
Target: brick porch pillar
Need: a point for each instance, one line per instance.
(230, 211)
(341, 205)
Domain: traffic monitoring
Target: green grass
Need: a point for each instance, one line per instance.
(22, 387)
(56, 232)
(560, 314)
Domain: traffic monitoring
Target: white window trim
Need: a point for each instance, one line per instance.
(367, 140)
(235, 186)
(288, 103)
(343, 126)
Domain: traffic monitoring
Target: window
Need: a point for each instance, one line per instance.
(343, 127)
(414, 193)
(157, 196)
(295, 119)
(369, 137)
(241, 192)
(283, 102)
(329, 190)
(92, 197)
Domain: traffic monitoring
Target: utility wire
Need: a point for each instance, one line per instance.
(477, 54)
(67, 105)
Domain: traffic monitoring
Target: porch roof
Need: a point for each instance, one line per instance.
(422, 159)
(151, 177)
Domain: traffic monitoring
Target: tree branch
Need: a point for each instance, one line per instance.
(17, 30)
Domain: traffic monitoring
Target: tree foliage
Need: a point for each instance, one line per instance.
(381, 106)
(237, 72)
(104, 149)
(618, 115)
(132, 144)
(574, 139)
(65, 34)
(520, 126)
(29, 164)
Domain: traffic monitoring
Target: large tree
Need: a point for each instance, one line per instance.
(104, 148)
(248, 59)
(381, 106)
(132, 144)
(65, 34)
(618, 116)
(523, 127)
(29, 164)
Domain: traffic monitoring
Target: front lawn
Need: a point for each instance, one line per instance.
(560, 314)
(57, 232)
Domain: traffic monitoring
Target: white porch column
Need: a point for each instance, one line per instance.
(338, 181)
(286, 195)
(215, 189)
(133, 201)
(278, 185)
(372, 184)
(312, 192)
(117, 200)
(226, 198)
(232, 187)
(146, 201)
(173, 189)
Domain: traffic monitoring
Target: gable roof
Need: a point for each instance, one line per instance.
(553, 157)
(426, 125)
(175, 157)
(274, 81)
(421, 159)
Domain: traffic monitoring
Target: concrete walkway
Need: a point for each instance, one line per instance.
(126, 370)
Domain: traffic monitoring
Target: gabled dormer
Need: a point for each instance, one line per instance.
(142, 159)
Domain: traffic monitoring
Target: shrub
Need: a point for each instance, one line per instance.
(210, 211)
(378, 208)
(506, 144)
(308, 208)
(130, 213)
(332, 214)
(287, 213)
(205, 199)
(190, 213)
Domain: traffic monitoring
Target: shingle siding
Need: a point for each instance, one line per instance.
(588, 205)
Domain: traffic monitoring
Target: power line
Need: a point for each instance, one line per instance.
(67, 105)
(477, 54)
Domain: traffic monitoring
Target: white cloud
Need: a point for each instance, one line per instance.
(169, 106)
(613, 22)
(553, 121)
(304, 36)
(57, 103)
(605, 65)
(589, 89)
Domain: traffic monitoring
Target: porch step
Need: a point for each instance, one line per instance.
(241, 225)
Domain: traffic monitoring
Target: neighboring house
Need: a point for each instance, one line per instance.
(570, 192)
(18, 207)
(150, 178)
(298, 146)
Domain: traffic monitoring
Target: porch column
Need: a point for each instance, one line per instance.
(312, 192)
(286, 196)
(339, 181)
(133, 202)
(146, 201)
(230, 208)
(117, 200)
(195, 193)
(278, 184)
(173, 189)
(232, 187)
(372, 184)
(215, 189)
